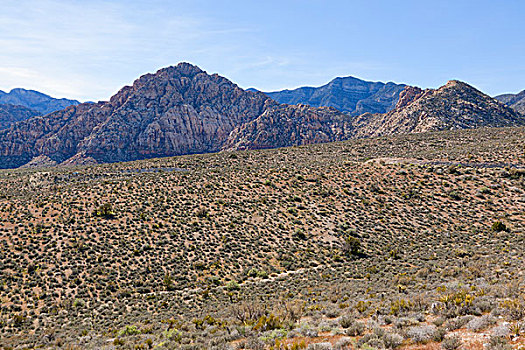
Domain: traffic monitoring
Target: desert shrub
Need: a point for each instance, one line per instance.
(172, 334)
(438, 322)
(421, 334)
(399, 306)
(498, 226)
(105, 211)
(404, 322)
(501, 330)
(253, 343)
(346, 321)
(479, 323)
(392, 340)
(452, 342)
(343, 343)
(370, 340)
(308, 332)
(202, 213)
(268, 323)
(253, 272)
(355, 329)
(320, 346)
(128, 330)
(498, 343)
(352, 245)
(514, 308)
(439, 335)
(380, 332)
(457, 323)
(362, 306)
(232, 285)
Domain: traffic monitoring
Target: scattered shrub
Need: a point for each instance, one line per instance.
(392, 340)
(498, 226)
(421, 334)
(452, 342)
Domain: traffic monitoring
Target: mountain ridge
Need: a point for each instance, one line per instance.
(514, 101)
(35, 100)
(178, 110)
(184, 110)
(348, 94)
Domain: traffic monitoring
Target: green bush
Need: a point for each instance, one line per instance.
(232, 285)
(498, 226)
(105, 211)
(352, 245)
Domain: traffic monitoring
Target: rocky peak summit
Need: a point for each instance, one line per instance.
(455, 105)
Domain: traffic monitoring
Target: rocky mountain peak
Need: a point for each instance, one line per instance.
(455, 105)
(408, 95)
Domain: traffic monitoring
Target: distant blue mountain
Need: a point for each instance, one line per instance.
(348, 94)
(35, 100)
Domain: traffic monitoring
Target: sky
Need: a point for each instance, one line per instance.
(88, 50)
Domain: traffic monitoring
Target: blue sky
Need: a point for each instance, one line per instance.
(89, 49)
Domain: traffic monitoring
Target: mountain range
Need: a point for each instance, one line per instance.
(347, 94)
(514, 101)
(37, 101)
(183, 110)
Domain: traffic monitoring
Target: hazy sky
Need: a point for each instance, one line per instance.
(89, 49)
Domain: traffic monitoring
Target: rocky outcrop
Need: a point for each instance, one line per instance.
(349, 95)
(514, 101)
(35, 100)
(39, 162)
(408, 95)
(10, 114)
(455, 105)
(286, 125)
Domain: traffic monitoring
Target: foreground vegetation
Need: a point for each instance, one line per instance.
(406, 242)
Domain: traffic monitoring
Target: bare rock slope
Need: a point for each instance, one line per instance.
(455, 105)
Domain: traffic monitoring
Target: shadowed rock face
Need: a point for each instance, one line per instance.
(455, 105)
(183, 110)
(514, 101)
(35, 100)
(349, 95)
(10, 114)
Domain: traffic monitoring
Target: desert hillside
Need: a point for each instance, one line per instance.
(412, 241)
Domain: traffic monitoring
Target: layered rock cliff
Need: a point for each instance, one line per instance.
(286, 125)
(10, 114)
